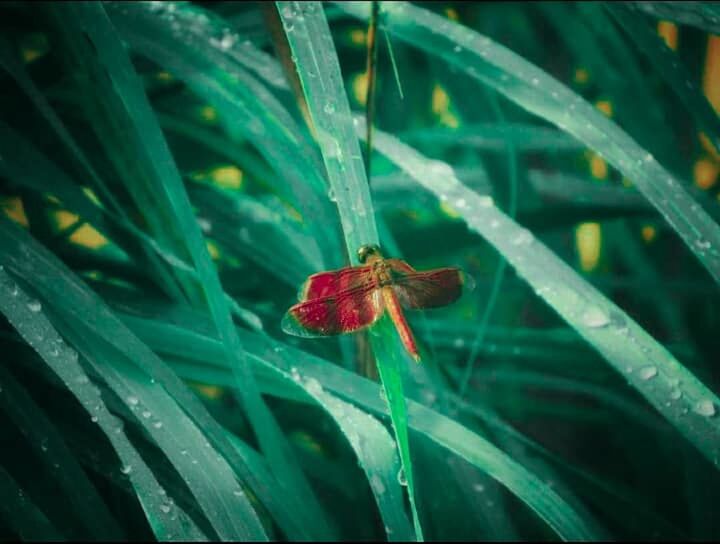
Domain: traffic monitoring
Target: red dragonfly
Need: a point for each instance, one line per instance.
(352, 298)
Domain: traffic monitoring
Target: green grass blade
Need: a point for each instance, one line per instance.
(495, 137)
(25, 313)
(209, 478)
(665, 60)
(703, 15)
(21, 515)
(371, 442)
(447, 433)
(674, 391)
(562, 186)
(316, 60)
(78, 304)
(165, 185)
(246, 108)
(45, 438)
(376, 453)
(539, 93)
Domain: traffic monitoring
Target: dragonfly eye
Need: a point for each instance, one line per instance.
(365, 251)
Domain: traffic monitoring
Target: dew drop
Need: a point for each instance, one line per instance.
(34, 306)
(377, 484)
(704, 407)
(94, 419)
(329, 108)
(402, 480)
(146, 414)
(595, 318)
(158, 424)
(458, 342)
(702, 245)
(675, 394)
(127, 469)
(647, 372)
(479, 488)
(165, 508)
(522, 238)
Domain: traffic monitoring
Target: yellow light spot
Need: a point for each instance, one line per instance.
(413, 215)
(359, 87)
(228, 177)
(581, 75)
(668, 31)
(705, 173)
(209, 114)
(164, 76)
(30, 55)
(598, 167)
(449, 119)
(711, 76)
(708, 146)
(588, 238)
(212, 392)
(440, 100)
(33, 47)
(648, 233)
(306, 441)
(13, 208)
(605, 106)
(452, 14)
(213, 250)
(358, 36)
(87, 236)
(449, 210)
(441, 107)
(64, 219)
(293, 213)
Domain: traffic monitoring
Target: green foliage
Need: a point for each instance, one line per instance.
(171, 172)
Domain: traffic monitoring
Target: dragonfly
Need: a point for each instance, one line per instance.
(353, 298)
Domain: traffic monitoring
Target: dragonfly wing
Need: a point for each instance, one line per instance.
(346, 311)
(329, 283)
(431, 289)
(400, 267)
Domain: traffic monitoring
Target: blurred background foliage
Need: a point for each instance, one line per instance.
(163, 199)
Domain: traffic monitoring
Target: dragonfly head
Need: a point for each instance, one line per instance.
(366, 251)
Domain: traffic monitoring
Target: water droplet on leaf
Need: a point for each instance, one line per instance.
(704, 407)
(647, 372)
